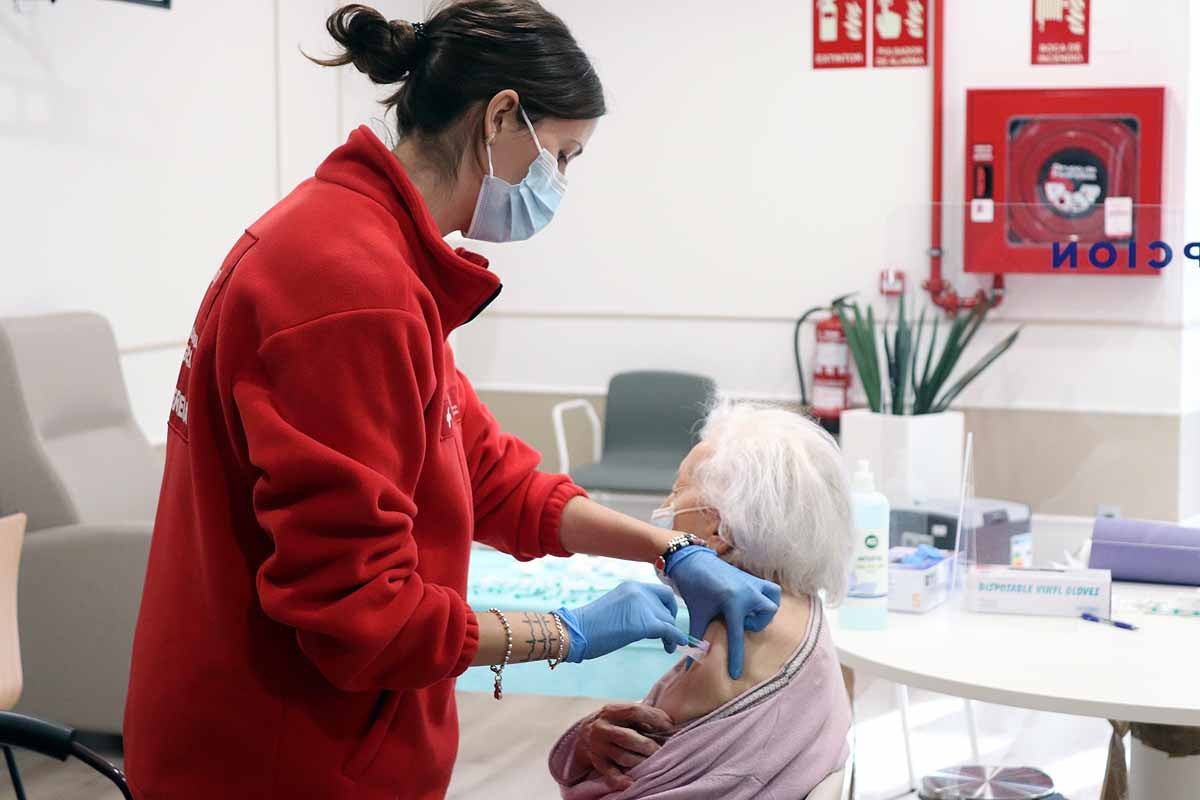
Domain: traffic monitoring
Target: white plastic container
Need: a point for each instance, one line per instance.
(917, 590)
(866, 604)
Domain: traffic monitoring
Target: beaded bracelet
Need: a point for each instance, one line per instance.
(562, 642)
(498, 690)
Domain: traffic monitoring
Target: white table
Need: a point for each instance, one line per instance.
(1058, 664)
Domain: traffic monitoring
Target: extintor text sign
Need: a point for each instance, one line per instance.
(839, 34)
(901, 33)
(1061, 29)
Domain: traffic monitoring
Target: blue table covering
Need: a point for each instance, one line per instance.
(497, 580)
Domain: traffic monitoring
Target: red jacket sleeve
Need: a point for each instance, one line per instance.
(334, 423)
(517, 509)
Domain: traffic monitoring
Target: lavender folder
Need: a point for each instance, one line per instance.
(1147, 552)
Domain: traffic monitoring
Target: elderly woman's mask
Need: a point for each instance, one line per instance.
(665, 517)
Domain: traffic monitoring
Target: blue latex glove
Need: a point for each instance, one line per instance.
(712, 587)
(629, 613)
(923, 557)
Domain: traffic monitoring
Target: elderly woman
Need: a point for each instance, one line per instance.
(765, 489)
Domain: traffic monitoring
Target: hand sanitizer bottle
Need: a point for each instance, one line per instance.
(866, 604)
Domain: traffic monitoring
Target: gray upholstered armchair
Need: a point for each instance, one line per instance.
(73, 459)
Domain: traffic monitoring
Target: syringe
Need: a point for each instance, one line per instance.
(695, 649)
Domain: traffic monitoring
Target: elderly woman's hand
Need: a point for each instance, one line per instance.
(613, 740)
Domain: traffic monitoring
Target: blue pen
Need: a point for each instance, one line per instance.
(1113, 622)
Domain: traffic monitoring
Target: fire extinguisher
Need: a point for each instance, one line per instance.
(831, 370)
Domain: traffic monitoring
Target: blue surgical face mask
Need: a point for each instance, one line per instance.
(507, 213)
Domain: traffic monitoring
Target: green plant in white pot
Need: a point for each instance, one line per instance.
(912, 439)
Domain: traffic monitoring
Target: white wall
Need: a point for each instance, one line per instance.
(135, 144)
(309, 95)
(727, 179)
(141, 142)
(729, 188)
(1190, 360)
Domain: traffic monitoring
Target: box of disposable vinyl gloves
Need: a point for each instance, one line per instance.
(1039, 592)
(918, 578)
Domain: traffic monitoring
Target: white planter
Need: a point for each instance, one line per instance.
(912, 456)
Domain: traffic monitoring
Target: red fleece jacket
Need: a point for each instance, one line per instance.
(304, 613)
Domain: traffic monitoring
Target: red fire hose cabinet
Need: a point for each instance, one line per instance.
(1047, 166)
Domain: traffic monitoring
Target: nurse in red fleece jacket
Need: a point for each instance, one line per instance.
(328, 468)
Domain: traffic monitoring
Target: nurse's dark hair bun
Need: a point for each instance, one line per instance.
(462, 56)
(385, 51)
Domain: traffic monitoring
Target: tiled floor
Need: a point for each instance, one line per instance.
(504, 746)
(1072, 750)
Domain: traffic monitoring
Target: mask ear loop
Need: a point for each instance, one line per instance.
(532, 132)
(677, 511)
(689, 509)
(560, 180)
(721, 530)
(726, 539)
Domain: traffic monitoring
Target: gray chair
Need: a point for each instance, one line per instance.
(73, 459)
(651, 422)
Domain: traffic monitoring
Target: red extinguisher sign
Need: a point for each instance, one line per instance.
(839, 34)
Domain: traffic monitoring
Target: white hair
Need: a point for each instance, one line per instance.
(779, 483)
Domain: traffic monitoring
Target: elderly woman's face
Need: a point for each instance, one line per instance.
(697, 518)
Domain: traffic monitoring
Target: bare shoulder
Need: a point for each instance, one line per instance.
(707, 686)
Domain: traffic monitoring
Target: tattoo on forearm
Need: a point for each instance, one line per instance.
(542, 640)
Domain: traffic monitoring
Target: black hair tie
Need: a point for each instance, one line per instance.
(420, 42)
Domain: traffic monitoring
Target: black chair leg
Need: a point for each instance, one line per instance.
(14, 773)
